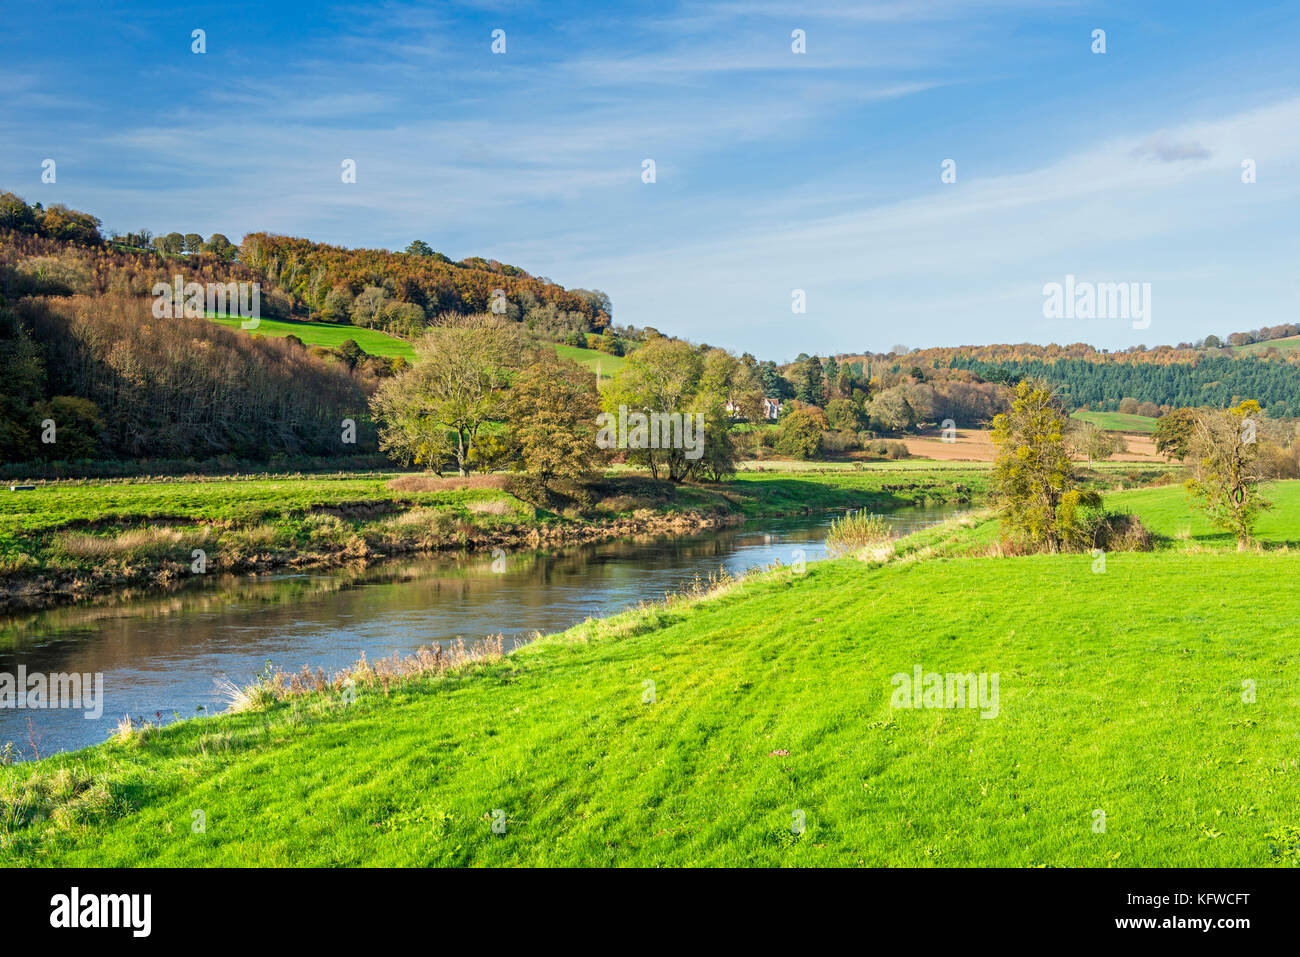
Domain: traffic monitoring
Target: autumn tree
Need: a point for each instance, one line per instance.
(552, 414)
(60, 222)
(1031, 479)
(1226, 470)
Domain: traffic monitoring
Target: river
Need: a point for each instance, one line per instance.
(161, 656)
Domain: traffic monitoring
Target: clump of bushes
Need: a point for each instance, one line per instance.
(1120, 532)
(890, 449)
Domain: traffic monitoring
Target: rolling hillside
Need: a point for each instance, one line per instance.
(376, 343)
(1287, 345)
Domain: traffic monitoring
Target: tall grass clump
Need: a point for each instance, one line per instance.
(855, 531)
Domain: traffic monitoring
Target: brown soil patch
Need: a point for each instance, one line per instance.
(976, 445)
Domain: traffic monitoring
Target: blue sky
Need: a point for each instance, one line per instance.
(775, 171)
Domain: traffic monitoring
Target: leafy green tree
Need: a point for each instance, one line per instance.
(810, 381)
(774, 385)
(890, 412)
(78, 427)
(172, 244)
(799, 434)
(192, 243)
(351, 352)
(1031, 479)
(23, 374)
(1226, 471)
(221, 247)
(1173, 433)
(830, 377)
(338, 305)
(419, 248)
(668, 377)
(729, 391)
(845, 414)
(16, 214)
(434, 412)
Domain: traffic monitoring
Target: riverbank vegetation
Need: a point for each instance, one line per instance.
(68, 540)
(701, 729)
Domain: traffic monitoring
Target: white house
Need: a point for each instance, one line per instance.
(771, 408)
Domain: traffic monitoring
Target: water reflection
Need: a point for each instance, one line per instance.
(163, 653)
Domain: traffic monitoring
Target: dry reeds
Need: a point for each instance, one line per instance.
(447, 483)
(434, 661)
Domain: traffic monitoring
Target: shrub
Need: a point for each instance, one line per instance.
(856, 530)
(799, 434)
(840, 440)
(1120, 532)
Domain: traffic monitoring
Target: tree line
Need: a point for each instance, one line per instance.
(405, 293)
(1212, 380)
(482, 395)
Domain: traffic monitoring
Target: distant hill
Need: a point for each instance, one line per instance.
(1166, 376)
(376, 343)
(401, 293)
(1285, 345)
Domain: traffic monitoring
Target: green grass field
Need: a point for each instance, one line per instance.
(1166, 512)
(1289, 344)
(224, 500)
(593, 359)
(1117, 421)
(327, 334)
(1119, 692)
(377, 343)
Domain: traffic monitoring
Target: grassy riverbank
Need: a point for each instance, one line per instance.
(70, 540)
(1120, 692)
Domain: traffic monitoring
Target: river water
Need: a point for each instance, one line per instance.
(161, 656)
